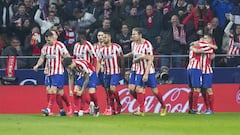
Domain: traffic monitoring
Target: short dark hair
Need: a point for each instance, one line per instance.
(48, 33)
(67, 61)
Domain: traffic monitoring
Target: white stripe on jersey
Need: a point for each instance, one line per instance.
(110, 56)
(141, 50)
(53, 55)
(85, 51)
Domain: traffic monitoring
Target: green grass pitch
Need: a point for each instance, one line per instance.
(124, 124)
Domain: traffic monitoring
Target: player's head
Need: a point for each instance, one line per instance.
(81, 36)
(68, 63)
(137, 34)
(207, 38)
(106, 37)
(100, 36)
(51, 36)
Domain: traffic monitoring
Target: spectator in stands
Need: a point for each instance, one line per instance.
(234, 43)
(173, 43)
(33, 42)
(180, 7)
(201, 15)
(96, 9)
(82, 19)
(30, 8)
(158, 6)
(220, 8)
(21, 22)
(15, 49)
(213, 28)
(132, 18)
(106, 26)
(124, 40)
(152, 22)
(48, 23)
(6, 13)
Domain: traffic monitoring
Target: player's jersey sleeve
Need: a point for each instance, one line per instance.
(91, 50)
(63, 49)
(148, 48)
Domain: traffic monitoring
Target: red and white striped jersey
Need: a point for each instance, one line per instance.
(83, 66)
(133, 48)
(141, 50)
(97, 47)
(233, 50)
(85, 51)
(53, 55)
(205, 59)
(110, 56)
(194, 59)
(206, 63)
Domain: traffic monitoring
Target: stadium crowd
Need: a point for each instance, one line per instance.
(171, 25)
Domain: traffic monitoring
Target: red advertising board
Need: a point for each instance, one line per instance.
(31, 99)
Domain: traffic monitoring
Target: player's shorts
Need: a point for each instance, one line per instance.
(56, 80)
(111, 80)
(207, 80)
(151, 82)
(132, 77)
(194, 77)
(93, 80)
(47, 80)
(101, 78)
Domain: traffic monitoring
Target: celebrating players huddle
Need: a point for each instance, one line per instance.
(102, 63)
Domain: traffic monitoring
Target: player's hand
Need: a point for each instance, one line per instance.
(35, 68)
(79, 93)
(135, 60)
(145, 78)
(70, 93)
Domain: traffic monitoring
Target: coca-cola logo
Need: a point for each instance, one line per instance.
(176, 100)
(238, 96)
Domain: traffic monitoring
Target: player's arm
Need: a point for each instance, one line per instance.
(149, 64)
(195, 50)
(85, 83)
(98, 65)
(213, 46)
(70, 81)
(130, 54)
(39, 63)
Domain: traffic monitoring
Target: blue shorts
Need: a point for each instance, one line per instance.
(47, 80)
(111, 80)
(92, 83)
(55, 80)
(207, 80)
(101, 78)
(194, 78)
(132, 77)
(151, 82)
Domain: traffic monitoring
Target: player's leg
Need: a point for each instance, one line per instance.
(207, 84)
(53, 83)
(152, 83)
(131, 84)
(196, 78)
(190, 96)
(92, 91)
(140, 95)
(114, 82)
